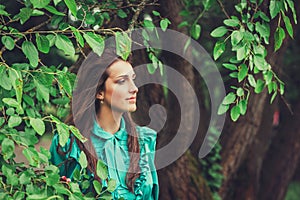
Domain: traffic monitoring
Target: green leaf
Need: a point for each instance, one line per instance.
(279, 37)
(5, 81)
(235, 113)
(78, 36)
(264, 30)
(42, 43)
(183, 24)
(71, 4)
(56, 2)
(240, 92)
(101, 170)
(164, 23)
(25, 14)
(195, 31)
(31, 53)
(40, 3)
(8, 147)
(90, 18)
(36, 12)
(42, 91)
(121, 13)
(236, 37)
(64, 134)
(95, 41)
(222, 109)
(111, 185)
(155, 13)
(241, 53)
(77, 133)
(82, 160)
(32, 156)
(65, 83)
(218, 49)
(219, 32)
(54, 11)
(11, 102)
(230, 66)
(151, 68)
(123, 45)
(260, 84)
(251, 80)
(229, 98)
(260, 62)
(38, 125)
(97, 186)
(8, 42)
(14, 121)
(274, 8)
(2, 11)
(243, 71)
(18, 86)
(63, 43)
(273, 97)
(243, 106)
(288, 25)
(292, 7)
(281, 86)
(231, 22)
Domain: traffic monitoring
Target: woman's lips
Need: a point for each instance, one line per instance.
(131, 99)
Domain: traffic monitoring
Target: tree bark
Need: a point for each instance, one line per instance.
(282, 158)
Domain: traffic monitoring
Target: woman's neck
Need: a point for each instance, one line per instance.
(109, 121)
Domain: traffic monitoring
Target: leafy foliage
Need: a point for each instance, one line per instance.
(35, 98)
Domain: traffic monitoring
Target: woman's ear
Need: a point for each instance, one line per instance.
(100, 95)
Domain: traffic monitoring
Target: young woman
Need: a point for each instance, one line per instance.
(105, 95)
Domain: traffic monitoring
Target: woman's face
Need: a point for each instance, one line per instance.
(119, 91)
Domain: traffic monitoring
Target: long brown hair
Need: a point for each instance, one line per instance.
(84, 105)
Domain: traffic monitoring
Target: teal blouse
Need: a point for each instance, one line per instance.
(113, 150)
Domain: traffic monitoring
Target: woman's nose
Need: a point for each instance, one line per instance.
(133, 88)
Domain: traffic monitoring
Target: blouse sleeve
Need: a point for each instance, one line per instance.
(148, 148)
(67, 160)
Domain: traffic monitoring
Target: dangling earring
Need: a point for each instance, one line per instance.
(101, 101)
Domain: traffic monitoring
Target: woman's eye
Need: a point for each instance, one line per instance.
(121, 81)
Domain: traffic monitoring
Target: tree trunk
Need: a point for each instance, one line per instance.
(240, 136)
(282, 158)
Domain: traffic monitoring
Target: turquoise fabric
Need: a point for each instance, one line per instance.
(113, 150)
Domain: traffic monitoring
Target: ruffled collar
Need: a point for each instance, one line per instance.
(120, 134)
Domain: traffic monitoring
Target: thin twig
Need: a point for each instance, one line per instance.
(223, 9)
(137, 14)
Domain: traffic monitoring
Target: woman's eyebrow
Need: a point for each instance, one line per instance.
(125, 76)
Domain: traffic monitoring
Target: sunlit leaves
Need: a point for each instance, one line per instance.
(101, 170)
(31, 53)
(63, 43)
(43, 43)
(95, 41)
(25, 14)
(279, 37)
(7, 148)
(38, 125)
(164, 23)
(195, 31)
(123, 45)
(8, 42)
(54, 11)
(40, 3)
(219, 31)
(219, 49)
(71, 4)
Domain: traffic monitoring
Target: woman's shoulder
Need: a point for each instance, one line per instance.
(146, 132)
(147, 135)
